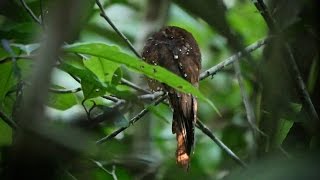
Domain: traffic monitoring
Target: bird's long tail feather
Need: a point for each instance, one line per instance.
(184, 119)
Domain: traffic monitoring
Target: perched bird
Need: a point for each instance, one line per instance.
(176, 50)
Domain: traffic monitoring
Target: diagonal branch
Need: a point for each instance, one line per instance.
(225, 148)
(65, 91)
(131, 122)
(213, 70)
(104, 15)
(30, 12)
(248, 107)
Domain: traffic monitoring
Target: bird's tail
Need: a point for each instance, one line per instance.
(184, 119)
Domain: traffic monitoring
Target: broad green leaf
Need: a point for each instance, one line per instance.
(282, 132)
(62, 101)
(103, 69)
(109, 53)
(90, 83)
(95, 65)
(116, 78)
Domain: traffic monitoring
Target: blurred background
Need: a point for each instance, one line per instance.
(278, 128)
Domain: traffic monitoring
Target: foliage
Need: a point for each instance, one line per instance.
(89, 97)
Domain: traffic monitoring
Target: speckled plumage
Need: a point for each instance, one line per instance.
(176, 50)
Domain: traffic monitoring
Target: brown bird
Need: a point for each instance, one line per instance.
(176, 50)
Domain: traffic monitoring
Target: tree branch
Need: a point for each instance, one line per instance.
(65, 91)
(112, 173)
(131, 122)
(30, 12)
(212, 71)
(134, 86)
(225, 148)
(248, 107)
(104, 15)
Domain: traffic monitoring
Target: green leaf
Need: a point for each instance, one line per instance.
(110, 53)
(95, 65)
(282, 132)
(61, 101)
(90, 83)
(103, 69)
(116, 78)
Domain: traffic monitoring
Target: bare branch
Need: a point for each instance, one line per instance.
(65, 91)
(134, 86)
(104, 15)
(30, 12)
(131, 122)
(151, 96)
(112, 173)
(225, 148)
(249, 110)
(212, 71)
(301, 84)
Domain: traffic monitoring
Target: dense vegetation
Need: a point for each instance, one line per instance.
(74, 102)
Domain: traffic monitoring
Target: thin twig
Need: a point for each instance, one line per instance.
(301, 84)
(225, 148)
(7, 120)
(131, 122)
(70, 175)
(134, 86)
(213, 70)
(111, 98)
(104, 15)
(112, 173)
(151, 96)
(26, 7)
(65, 91)
(248, 107)
(249, 110)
